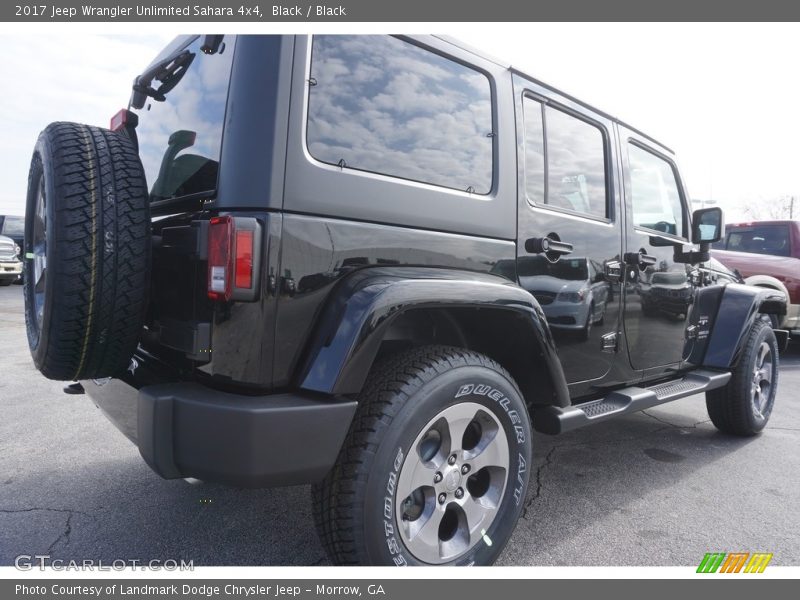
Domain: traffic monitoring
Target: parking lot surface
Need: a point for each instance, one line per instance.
(655, 488)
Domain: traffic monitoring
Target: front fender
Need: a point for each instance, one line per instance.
(739, 307)
(363, 306)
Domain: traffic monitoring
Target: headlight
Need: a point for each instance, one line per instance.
(572, 296)
(18, 250)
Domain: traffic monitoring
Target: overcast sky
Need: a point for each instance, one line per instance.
(724, 97)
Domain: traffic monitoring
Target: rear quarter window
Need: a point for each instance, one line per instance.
(387, 106)
(180, 138)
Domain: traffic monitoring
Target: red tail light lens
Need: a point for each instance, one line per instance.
(220, 258)
(119, 120)
(233, 258)
(244, 259)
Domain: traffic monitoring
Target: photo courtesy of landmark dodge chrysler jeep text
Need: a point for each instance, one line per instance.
(377, 264)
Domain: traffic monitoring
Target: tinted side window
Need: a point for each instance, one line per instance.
(576, 171)
(180, 138)
(655, 194)
(570, 154)
(383, 105)
(771, 239)
(534, 150)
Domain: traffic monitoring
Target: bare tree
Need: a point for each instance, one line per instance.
(766, 209)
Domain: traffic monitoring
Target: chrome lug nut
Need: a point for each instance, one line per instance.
(442, 498)
(437, 478)
(464, 469)
(459, 493)
(451, 460)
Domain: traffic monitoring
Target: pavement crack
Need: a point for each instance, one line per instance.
(675, 425)
(548, 459)
(660, 420)
(64, 535)
(59, 510)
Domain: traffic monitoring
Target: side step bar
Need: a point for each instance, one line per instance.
(554, 420)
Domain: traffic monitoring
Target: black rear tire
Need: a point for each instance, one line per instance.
(356, 506)
(739, 408)
(87, 241)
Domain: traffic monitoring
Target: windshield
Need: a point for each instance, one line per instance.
(180, 138)
(766, 239)
(13, 226)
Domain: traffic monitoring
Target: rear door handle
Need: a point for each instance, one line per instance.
(551, 245)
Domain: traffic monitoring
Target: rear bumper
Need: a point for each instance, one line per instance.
(189, 430)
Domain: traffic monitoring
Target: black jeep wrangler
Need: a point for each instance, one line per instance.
(376, 264)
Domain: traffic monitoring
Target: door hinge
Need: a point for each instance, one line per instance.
(613, 271)
(608, 342)
(288, 286)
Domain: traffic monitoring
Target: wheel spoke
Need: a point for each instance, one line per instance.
(415, 474)
(457, 423)
(766, 373)
(40, 279)
(423, 538)
(478, 518)
(763, 351)
(494, 454)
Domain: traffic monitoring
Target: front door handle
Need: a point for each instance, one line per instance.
(640, 258)
(551, 246)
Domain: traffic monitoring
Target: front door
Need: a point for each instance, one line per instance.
(570, 232)
(659, 291)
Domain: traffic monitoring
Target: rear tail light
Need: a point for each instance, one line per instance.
(233, 258)
(123, 120)
(220, 258)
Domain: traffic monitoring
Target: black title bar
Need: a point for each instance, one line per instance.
(352, 11)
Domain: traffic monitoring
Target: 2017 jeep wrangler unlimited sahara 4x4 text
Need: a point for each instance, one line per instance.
(376, 264)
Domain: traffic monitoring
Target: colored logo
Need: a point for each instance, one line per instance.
(734, 562)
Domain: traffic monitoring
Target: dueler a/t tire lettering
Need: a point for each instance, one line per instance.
(87, 252)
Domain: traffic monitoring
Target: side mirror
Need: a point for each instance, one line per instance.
(707, 225)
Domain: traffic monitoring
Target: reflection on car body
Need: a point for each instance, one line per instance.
(572, 291)
(666, 292)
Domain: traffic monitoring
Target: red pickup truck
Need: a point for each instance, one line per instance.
(766, 254)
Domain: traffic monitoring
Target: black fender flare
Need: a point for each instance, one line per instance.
(739, 306)
(360, 309)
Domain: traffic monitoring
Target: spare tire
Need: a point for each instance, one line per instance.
(87, 252)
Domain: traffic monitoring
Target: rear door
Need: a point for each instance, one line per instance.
(659, 292)
(567, 192)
